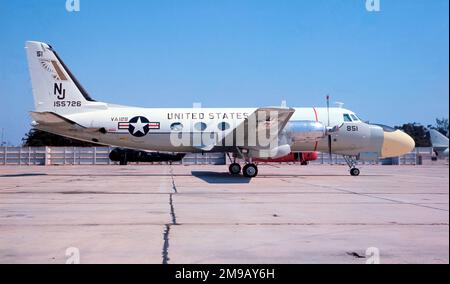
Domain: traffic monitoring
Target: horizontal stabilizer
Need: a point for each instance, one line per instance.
(50, 120)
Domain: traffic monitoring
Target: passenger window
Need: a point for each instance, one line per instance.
(354, 117)
(347, 118)
(200, 126)
(223, 126)
(176, 126)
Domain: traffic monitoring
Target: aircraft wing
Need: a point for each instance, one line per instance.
(270, 121)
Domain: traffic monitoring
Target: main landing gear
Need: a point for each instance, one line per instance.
(354, 171)
(235, 169)
(250, 170)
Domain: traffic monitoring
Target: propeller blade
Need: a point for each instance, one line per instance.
(329, 150)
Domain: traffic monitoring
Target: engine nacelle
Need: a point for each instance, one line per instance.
(305, 131)
(277, 152)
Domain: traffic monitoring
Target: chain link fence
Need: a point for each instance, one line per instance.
(23, 156)
(100, 156)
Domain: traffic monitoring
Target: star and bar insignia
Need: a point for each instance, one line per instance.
(138, 126)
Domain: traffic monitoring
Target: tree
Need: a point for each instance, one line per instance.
(38, 138)
(442, 125)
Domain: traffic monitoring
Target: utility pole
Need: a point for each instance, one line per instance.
(3, 137)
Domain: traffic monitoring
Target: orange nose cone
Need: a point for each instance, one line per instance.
(396, 143)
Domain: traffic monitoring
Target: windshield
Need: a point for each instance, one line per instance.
(347, 117)
(354, 117)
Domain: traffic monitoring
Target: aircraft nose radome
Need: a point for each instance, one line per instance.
(396, 143)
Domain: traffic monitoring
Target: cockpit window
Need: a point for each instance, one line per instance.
(347, 117)
(354, 117)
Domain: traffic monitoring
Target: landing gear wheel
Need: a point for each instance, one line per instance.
(234, 169)
(355, 172)
(250, 170)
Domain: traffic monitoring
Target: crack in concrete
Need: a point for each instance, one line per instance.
(172, 210)
(166, 234)
(174, 187)
(165, 251)
(355, 254)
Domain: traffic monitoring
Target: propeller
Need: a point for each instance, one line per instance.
(329, 135)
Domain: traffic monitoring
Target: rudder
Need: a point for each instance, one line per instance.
(55, 89)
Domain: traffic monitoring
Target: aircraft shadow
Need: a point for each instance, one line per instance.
(219, 178)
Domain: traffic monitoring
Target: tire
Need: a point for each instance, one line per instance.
(355, 172)
(250, 170)
(234, 169)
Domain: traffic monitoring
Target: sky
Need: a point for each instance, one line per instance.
(390, 67)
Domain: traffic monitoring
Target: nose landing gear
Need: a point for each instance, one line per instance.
(354, 171)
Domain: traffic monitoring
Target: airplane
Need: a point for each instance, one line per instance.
(439, 143)
(63, 107)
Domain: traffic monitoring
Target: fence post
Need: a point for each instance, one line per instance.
(35, 155)
(5, 150)
(95, 156)
(47, 156)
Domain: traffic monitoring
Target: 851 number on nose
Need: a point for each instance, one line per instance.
(352, 128)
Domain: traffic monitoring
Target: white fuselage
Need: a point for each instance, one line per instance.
(115, 119)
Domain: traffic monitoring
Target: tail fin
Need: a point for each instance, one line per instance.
(438, 139)
(55, 89)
